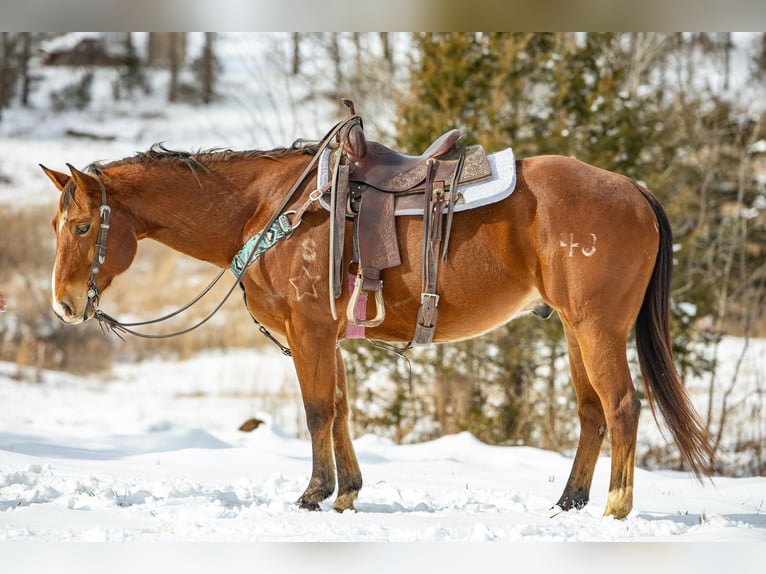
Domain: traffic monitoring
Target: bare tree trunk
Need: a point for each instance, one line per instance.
(388, 53)
(727, 47)
(553, 408)
(645, 49)
(296, 68)
(443, 397)
(734, 242)
(760, 58)
(26, 54)
(358, 50)
(175, 64)
(335, 56)
(5, 68)
(208, 64)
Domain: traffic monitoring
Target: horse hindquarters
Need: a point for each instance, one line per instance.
(597, 241)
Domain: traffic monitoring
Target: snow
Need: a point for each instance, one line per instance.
(150, 451)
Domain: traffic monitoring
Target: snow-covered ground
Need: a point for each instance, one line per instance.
(152, 451)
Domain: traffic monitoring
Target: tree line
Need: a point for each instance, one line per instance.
(19, 77)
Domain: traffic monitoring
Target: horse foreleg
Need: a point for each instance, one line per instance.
(349, 474)
(316, 367)
(592, 428)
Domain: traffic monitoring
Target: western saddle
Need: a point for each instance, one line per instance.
(368, 181)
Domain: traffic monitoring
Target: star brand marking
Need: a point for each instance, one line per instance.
(301, 280)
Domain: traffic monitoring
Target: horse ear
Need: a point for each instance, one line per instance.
(59, 179)
(81, 179)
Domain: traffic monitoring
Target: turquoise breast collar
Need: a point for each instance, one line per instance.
(257, 246)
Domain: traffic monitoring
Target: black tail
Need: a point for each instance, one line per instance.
(655, 355)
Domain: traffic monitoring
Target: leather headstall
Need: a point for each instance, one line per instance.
(99, 251)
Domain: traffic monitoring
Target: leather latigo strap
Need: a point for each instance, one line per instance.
(428, 313)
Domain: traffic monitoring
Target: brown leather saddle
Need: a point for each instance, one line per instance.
(368, 179)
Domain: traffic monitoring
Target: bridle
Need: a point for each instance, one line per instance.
(99, 252)
(109, 323)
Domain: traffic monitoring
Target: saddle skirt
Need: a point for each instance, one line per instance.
(497, 187)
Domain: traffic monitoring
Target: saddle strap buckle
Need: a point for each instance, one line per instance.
(428, 313)
(380, 307)
(429, 299)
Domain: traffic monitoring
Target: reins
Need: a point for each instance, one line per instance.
(109, 323)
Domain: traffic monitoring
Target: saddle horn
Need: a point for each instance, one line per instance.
(349, 106)
(355, 144)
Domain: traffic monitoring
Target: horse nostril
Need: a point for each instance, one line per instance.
(68, 311)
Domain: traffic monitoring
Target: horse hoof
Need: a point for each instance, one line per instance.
(345, 502)
(306, 505)
(619, 503)
(618, 513)
(572, 502)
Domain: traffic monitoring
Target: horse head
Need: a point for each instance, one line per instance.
(78, 269)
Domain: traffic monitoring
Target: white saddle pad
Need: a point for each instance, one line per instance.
(496, 188)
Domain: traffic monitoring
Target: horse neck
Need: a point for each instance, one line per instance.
(203, 213)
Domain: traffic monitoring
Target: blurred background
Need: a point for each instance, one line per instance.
(683, 113)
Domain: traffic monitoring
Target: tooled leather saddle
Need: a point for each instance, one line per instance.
(368, 181)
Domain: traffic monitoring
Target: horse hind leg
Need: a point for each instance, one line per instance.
(349, 474)
(607, 365)
(592, 428)
(603, 348)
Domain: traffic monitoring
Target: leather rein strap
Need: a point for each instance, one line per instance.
(108, 322)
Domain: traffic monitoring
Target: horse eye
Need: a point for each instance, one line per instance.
(82, 229)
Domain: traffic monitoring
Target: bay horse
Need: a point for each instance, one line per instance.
(593, 245)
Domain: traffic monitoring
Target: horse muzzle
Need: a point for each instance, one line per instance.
(69, 312)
